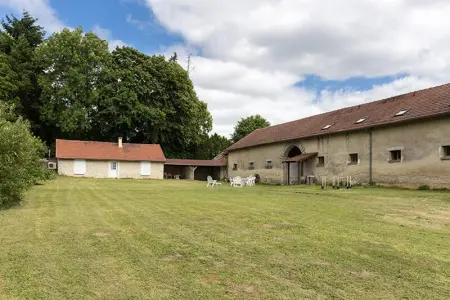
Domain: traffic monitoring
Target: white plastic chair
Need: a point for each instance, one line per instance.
(211, 182)
(231, 181)
(237, 181)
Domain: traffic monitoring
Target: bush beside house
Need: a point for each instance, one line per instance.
(20, 154)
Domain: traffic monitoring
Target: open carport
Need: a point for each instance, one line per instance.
(193, 169)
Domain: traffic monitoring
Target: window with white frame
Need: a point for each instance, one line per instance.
(79, 167)
(146, 168)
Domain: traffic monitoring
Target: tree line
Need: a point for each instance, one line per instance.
(70, 85)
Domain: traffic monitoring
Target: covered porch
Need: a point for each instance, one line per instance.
(299, 169)
(192, 169)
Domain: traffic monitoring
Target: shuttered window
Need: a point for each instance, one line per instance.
(79, 167)
(146, 168)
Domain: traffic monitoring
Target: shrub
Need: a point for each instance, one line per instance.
(20, 154)
(423, 188)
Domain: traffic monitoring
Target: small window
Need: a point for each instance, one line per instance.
(79, 167)
(114, 166)
(353, 159)
(320, 161)
(361, 120)
(446, 151)
(401, 113)
(396, 155)
(269, 164)
(326, 127)
(251, 165)
(146, 168)
(235, 167)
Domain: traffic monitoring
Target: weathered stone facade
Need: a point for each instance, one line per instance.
(99, 169)
(422, 145)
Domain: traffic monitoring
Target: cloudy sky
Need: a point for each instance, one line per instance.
(283, 59)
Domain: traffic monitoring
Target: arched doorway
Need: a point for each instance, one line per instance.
(293, 168)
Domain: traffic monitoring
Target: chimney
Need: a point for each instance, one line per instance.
(120, 143)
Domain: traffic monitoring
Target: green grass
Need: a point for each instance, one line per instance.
(126, 239)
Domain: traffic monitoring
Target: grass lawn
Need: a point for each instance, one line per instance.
(130, 239)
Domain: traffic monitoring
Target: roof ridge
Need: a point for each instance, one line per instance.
(424, 103)
(101, 142)
(358, 105)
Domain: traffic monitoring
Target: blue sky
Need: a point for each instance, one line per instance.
(304, 61)
(128, 21)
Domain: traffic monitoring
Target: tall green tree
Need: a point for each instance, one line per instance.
(148, 99)
(8, 87)
(19, 39)
(211, 146)
(247, 125)
(73, 64)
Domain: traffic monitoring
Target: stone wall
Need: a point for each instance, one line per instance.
(421, 145)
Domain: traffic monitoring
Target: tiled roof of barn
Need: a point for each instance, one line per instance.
(70, 149)
(195, 162)
(420, 104)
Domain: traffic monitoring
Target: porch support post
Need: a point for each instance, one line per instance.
(192, 173)
(289, 173)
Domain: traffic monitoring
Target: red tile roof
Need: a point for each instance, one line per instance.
(426, 103)
(195, 162)
(302, 157)
(66, 149)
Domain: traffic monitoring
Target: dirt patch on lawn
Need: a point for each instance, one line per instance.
(243, 288)
(363, 274)
(271, 225)
(101, 234)
(321, 263)
(211, 279)
(173, 257)
(435, 219)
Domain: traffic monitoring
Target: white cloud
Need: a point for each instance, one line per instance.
(332, 39)
(141, 25)
(254, 51)
(105, 34)
(48, 18)
(40, 9)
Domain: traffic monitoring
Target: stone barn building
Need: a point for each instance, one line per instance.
(399, 140)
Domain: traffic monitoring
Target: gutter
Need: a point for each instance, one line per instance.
(370, 158)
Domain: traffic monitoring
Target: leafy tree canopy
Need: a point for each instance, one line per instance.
(19, 39)
(247, 125)
(73, 63)
(71, 86)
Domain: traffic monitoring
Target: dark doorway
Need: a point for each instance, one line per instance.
(295, 151)
(294, 169)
